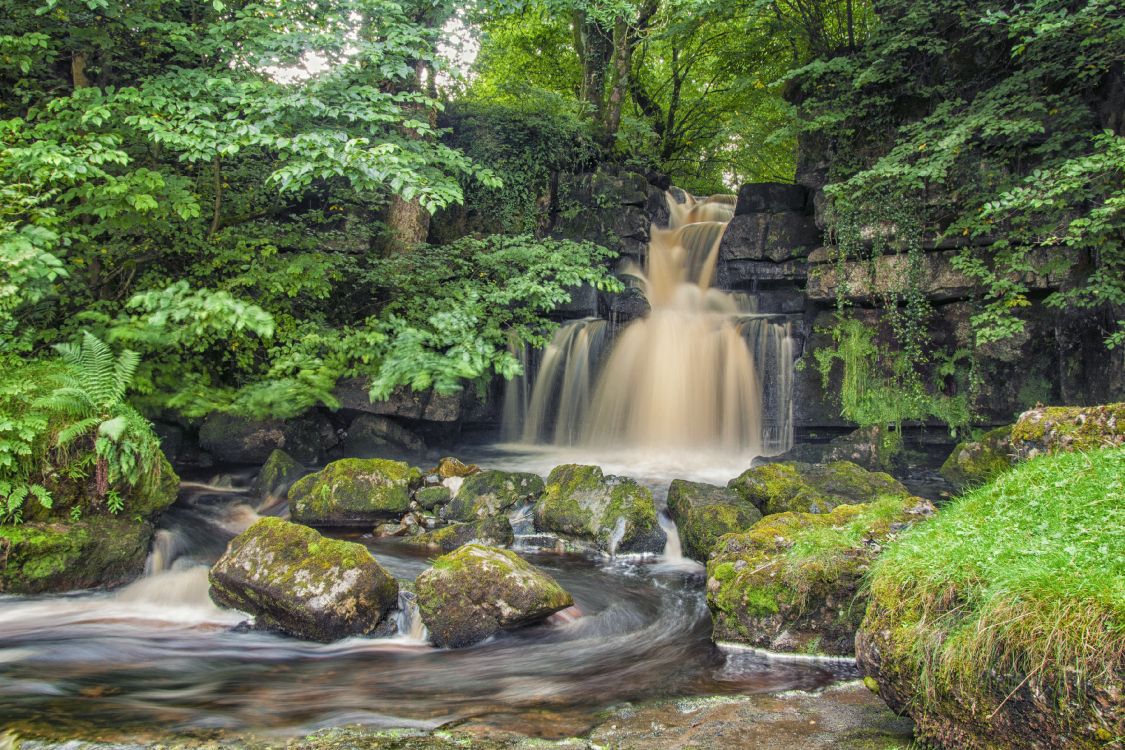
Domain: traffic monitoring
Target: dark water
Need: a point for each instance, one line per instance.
(157, 656)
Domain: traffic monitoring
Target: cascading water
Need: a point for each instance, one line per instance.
(702, 371)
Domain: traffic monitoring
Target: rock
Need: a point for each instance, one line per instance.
(583, 303)
(620, 308)
(291, 578)
(404, 403)
(372, 435)
(489, 493)
(775, 237)
(657, 206)
(704, 512)
(239, 440)
(975, 462)
(792, 582)
(621, 228)
(53, 556)
(612, 514)
(476, 591)
(873, 448)
(603, 188)
(353, 492)
(276, 475)
(766, 197)
(451, 467)
(1059, 429)
(432, 497)
(490, 532)
(812, 488)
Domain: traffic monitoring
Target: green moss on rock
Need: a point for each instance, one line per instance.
(1057, 429)
(295, 580)
(477, 591)
(432, 497)
(277, 474)
(354, 492)
(704, 512)
(491, 532)
(977, 461)
(812, 488)
(792, 581)
(489, 493)
(609, 513)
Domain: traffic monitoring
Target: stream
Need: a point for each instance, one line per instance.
(157, 656)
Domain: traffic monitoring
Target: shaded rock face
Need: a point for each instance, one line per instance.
(774, 237)
(98, 551)
(766, 197)
(975, 462)
(812, 488)
(490, 532)
(704, 512)
(792, 582)
(609, 513)
(489, 493)
(238, 440)
(354, 492)
(1057, 429)
(292, 579)
(354, 393)
(372, 435)
(276, 475)
(476, 591)
(871, 448)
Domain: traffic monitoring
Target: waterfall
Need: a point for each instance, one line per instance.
(703, 370)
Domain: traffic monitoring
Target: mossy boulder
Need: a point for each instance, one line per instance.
(491, 532)
(354, 492)
(1060, 429)
(477, 591)
(276, 475)
(794, 486)
(608, 513)
(704, 512)
(450, 467)
(488, 493)
(98, 551)
(792, 582)
(292, 579)
(975, 462)
(433, 497)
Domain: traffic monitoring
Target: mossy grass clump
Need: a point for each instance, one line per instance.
(793, 581)
(1001, 622)
(354, 492)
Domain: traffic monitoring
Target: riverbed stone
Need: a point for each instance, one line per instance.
(490, 532)
(975, 462)
(609, 513)
(354, 492)
(812, 488)
(292, 579)
(492, 492)
(793, 581)
(276, 475)
(476, 591)
(704, 512)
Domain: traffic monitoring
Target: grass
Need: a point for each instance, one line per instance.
(1023, 576)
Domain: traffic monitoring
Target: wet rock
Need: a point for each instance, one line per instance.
(449, 467)
(792, 582)
(772, 237)
(489, 493)
(292, 579)
(430, 498)
(620, 308)
(609, 513)
(583, 303)
(475, 592)
(276, 475)
(238, 440)
(354, 492)
(975, 462)
(704, 512)
(372, 435)
(1059, 429)
(657, 206)
(812, 488)
(874, 448)
(490, 532)
(767, 197)
(404, 403)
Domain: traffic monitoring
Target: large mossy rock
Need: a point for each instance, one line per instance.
(812, 488)
(354, 492)
(490, 532)
(998, 623)
(292, 579)
(1060, 429)
(975, 462)
(277, 475)
(609, 513)
(704, 512)
(792, 582)
(231, 439)
(489, 493)
(98, 551)
(476, 591)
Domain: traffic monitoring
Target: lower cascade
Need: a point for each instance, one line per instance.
(703, 370)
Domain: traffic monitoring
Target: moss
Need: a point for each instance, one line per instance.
(488, 493)
(354, 491)
(279, 471)
(582, 502)
(493, 532)
(431, 497)
(703, 513)
(975, 462)
(812, 488)
(1054, 429)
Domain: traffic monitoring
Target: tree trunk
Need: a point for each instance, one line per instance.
(78, 70)
(407, 220)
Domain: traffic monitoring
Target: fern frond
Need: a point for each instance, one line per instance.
(123, 372)
(72, 432)
(68, 401)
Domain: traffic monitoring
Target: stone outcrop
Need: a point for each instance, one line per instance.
(1058, 429)
(489, 493)
(292, 579)
(354, 492)
(476, 591)
(373, 435)
(238, 440)
(592, 510)
(812, 488)
(490, 532)
(974, 462)
(704, 512)
(276, 475)
(873, 448)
